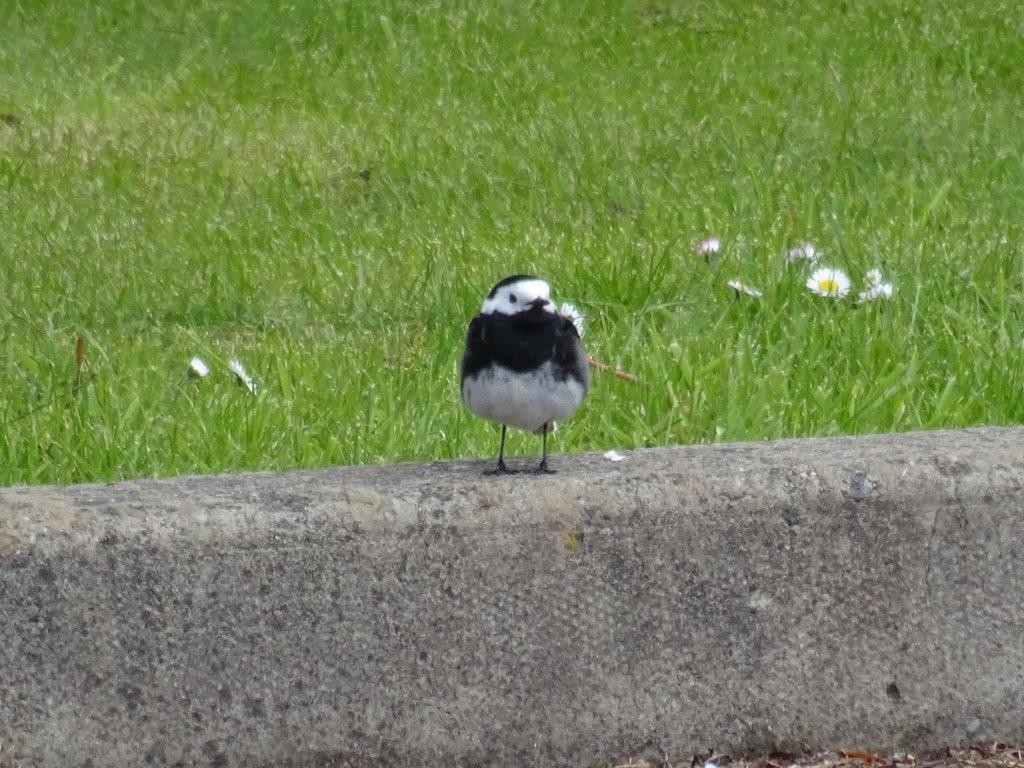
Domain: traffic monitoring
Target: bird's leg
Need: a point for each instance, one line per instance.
(502, 468)
(543, 469)
(501, 451)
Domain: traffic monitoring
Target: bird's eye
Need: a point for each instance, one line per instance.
(512, 298)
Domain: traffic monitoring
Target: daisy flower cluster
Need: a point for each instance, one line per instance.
(825, 281)
(833, 282)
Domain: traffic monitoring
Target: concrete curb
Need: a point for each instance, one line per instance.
(863, 591)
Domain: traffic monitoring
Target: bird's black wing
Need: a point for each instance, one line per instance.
(475, 356)
(569, 354)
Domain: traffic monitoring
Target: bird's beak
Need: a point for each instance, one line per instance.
(538, 303)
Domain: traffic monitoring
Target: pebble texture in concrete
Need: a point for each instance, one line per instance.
(851, 591)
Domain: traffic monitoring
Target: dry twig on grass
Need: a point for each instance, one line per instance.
(618, 372)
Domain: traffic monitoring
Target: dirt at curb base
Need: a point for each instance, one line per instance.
(991, 755)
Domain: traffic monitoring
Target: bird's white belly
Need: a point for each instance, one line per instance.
(526, 400)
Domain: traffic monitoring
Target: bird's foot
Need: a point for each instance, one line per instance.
(501, 469)
(543, 469)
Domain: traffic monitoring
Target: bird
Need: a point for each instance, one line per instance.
(523, 365)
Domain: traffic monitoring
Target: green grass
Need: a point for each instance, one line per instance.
(326, 191)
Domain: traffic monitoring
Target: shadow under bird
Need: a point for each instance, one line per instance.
(523, 365)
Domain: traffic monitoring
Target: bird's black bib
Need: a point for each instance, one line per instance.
(523, 342)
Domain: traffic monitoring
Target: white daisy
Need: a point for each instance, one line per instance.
(876, 291)
(804, 252)
(243, 378)
(873, 276)
(739, 287)
(572, 312)
(709, 246)
(197, 367)
(829, 281)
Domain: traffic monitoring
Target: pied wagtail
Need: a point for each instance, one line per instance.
(523, 365)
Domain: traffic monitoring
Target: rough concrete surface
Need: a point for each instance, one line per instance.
(864, 591)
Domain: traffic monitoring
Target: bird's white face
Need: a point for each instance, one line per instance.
(520, 296)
